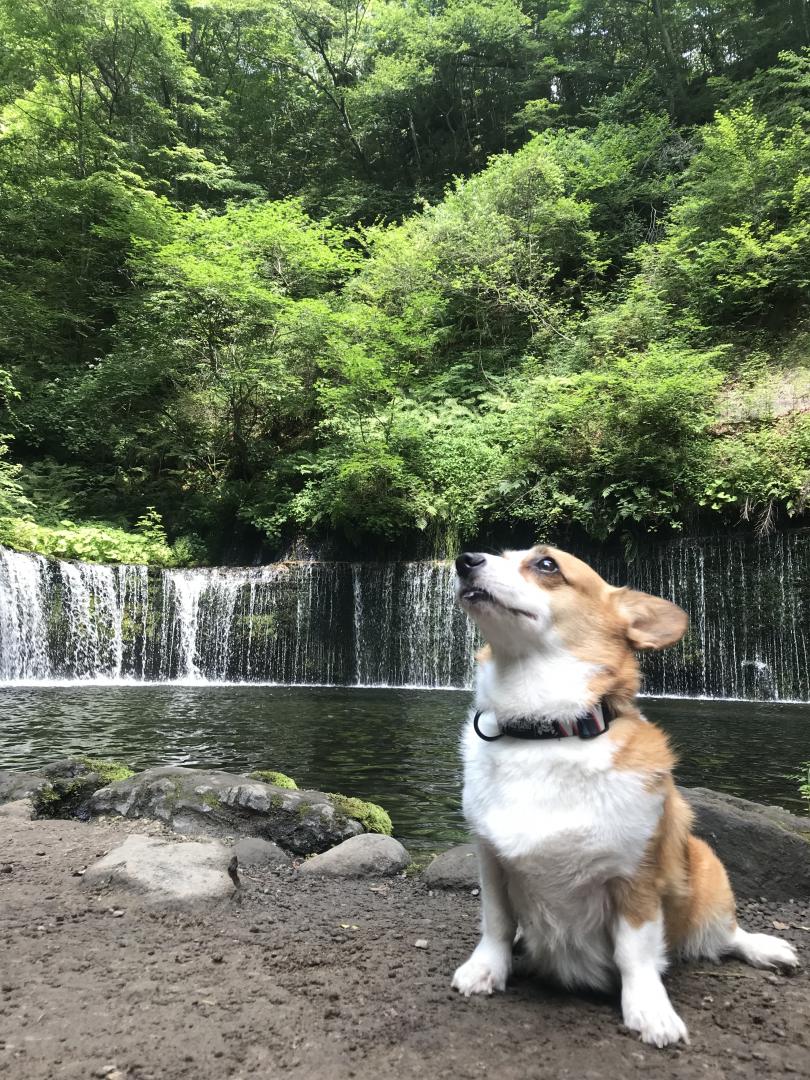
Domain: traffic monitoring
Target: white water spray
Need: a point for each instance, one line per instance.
(388, 624)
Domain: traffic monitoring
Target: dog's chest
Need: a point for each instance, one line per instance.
(560, 811)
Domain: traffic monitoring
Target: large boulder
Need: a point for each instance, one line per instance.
(201, 803)
(765, 849)
(165, 870)
(368, 855)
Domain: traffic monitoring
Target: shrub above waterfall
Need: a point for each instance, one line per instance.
(92, 541)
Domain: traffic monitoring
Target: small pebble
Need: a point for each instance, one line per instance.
(420, 943)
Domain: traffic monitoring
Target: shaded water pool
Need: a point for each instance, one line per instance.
(395, 747)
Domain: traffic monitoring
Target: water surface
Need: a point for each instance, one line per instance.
(396, 747)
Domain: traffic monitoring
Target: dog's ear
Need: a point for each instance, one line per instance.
(649, 621)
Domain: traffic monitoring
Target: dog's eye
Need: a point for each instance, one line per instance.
(546, 565)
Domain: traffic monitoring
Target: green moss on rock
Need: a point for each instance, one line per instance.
(45, 800)
(372, 817)
(278, 779)
(62, 798)
(108, 771)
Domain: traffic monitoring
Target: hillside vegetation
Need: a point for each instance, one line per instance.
(392, 269)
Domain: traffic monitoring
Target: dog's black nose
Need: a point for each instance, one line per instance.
(467, 562)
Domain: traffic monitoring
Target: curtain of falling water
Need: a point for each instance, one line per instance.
(389, 624)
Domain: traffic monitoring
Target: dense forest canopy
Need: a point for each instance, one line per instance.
(399, 268)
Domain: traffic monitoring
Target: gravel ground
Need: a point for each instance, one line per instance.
(324, 979)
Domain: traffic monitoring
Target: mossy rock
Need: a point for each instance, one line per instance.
(71, 782)
(198, 802)
(372, 817)
(278, 779)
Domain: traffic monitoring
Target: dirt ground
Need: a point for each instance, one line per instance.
(317, 979)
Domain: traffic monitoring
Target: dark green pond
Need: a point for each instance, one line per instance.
(396, 747)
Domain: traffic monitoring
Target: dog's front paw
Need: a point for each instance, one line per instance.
(479, 976)
(655, 1020)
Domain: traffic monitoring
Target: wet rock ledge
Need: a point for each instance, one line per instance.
(226, 820)
(194, 802)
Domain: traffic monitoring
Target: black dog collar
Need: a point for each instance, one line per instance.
(588, 725)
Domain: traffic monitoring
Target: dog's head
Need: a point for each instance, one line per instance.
(543, 599)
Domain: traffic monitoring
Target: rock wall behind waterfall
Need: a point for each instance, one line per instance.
(388, 623)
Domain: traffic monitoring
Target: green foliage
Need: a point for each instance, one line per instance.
(12, 497)
(91, 542)
(411, 467)
(759, 470)
(737, 245)
(372, 817)
(613, 447)
(397, 269)
(277, 779)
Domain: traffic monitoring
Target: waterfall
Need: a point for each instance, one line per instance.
(23, 642)
(408, 630)
(748, 603)
(389, 624)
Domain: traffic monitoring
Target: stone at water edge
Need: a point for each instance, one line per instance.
(765, 849)
(164, 869)
(370, 854)
(199, 802)
(456, 868)
(253, 851)
(20, 785)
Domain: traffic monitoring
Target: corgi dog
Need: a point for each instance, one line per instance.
(588, 866)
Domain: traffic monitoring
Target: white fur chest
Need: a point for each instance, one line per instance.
(558, 810)
(562, 822)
